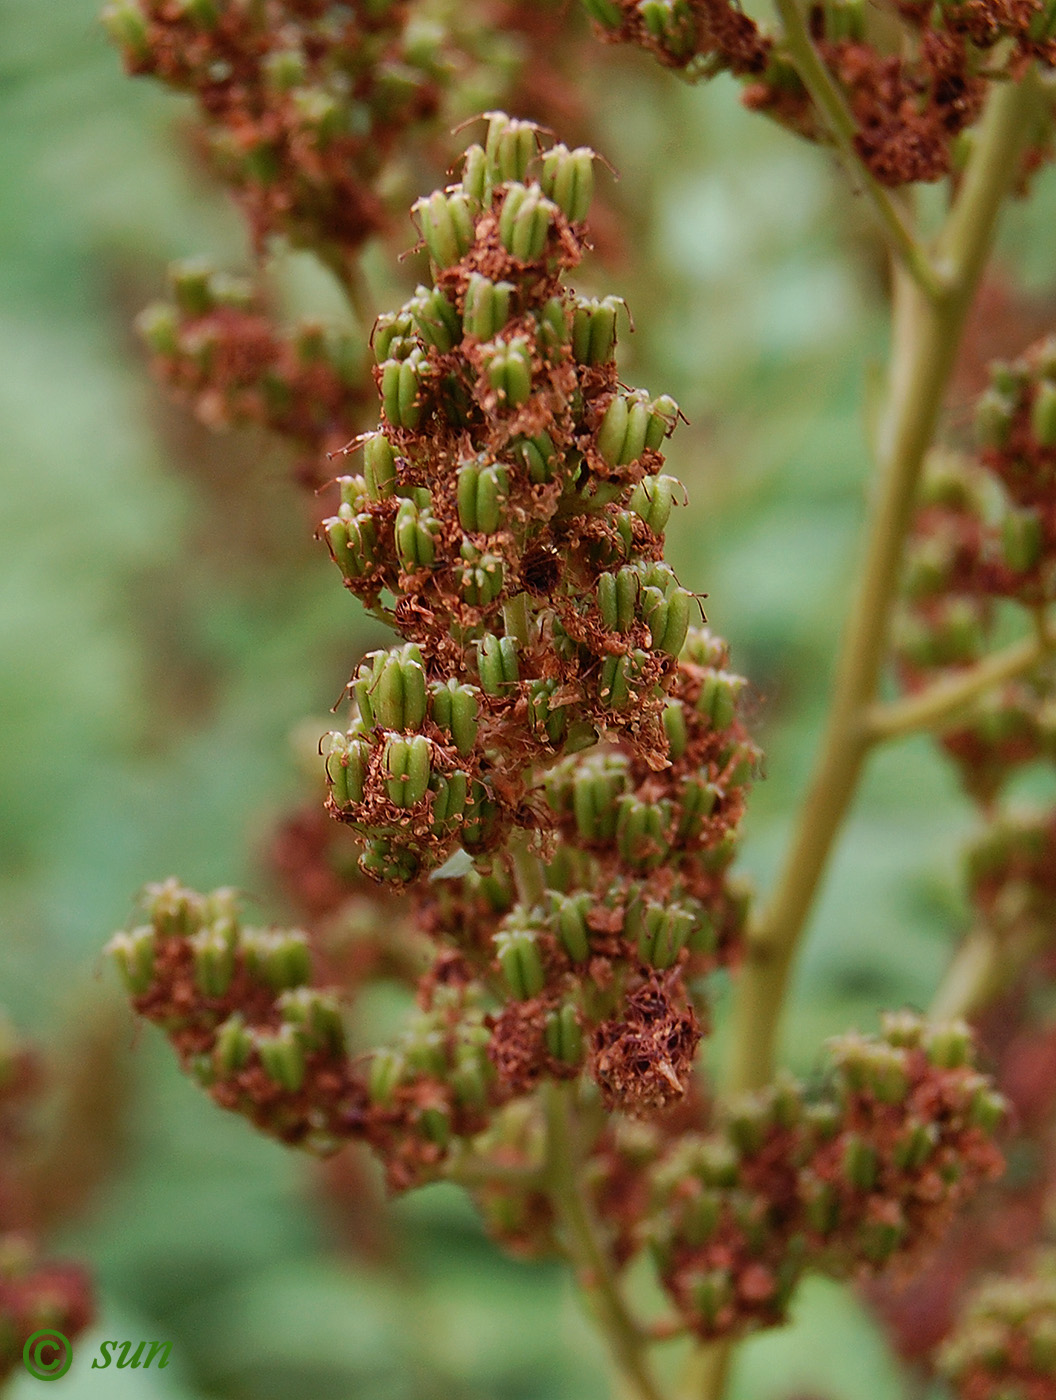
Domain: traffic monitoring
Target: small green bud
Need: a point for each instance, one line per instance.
(393, 337)
(1043, 414)
(700, 1218)
(159, 326)
(497, 664)
(674, 718)
(619, 678)
(482, 576)
(663, 933)
(594, 330)
(564, 1036)
(994, 412)
(517, 949)
(446, 221)
(821, 1202)
(214, 961)
(641, 832)
(435, 1123)
(416, 529)
(652, 499)
(510, 145)
(454, 708)
(133, 953)
(570, 914)
(508, 365)
(390, 689)
(553, 332)
(319, 112)
(352, 542)
(282, 1056)
(318, 1016)
(1022, 539)
(482, 492)
(538, 455)
(175, 912)
(524, 222)
(450, 800)
(408, 763)
(860, 1162)
(717, 701)
(476, 177)
(379, 466)
(385, 1076)
(915, 1146)
(191, 283)
(435, 318)
(667, 618)
(383, 860)
(618, 599)
(487, 306)
(605, 12)
(471, 1078)
(949, 1045)
(126, 24)
(481, 816)
(279, 959)
(233, 1045)
(568, 179)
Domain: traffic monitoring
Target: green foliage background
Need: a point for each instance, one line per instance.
(162, 633)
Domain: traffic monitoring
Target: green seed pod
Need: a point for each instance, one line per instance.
(860, 1163)
(596, 788)
(450, 800)
(482, 576)
(710, 1292)
(454, 708)
(605, 12)
(663, 934)
(379, 466)
(822, 1203)
(1043, 414)
(564, 1036)
(517, 950)
(538, 455)
(471, 1078)
(435, 1123)
(319, 113)
(718, 697)
(126, 24)
(639, 416)
(401, 387)
(508, 365)
(408, 763)
(481, 815)
(497, 664)
(619, 677)
(524, 222)
(570, 915)
(446, 221)
(641, 831)
(476, 178)
(318, 1016)
(352, 543)
(697, 800)
(277, 959)
(994, 412)
(594, 330)
(282, 1056)
(542, 713)
(415, 532)
(652, 499)
(435, 318)
(949, 1045)
(553, 326)
(487, 306)
(191, 282)
(354, 496)
(385, 1076)
(613, 431)
(878, 1239)
(393, 337)
(392, 692)
(159, 327)
(674, 718)
(133, 953)
(915, 1146)
(233, 1045)
(214, 961)
(618, 599)
(482, 492)
(510, 145)
(568, 179)
(668, 620)
(384, 860)
(989, 1110)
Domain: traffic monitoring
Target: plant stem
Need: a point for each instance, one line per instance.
(707, 1371)
(985, 965)
(930, 708)
(829, 100)
(926, 335)
(586, 1249)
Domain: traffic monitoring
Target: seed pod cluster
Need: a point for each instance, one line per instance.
(237, 1005)
(512, 502)
(866, 1169)
(216, 349)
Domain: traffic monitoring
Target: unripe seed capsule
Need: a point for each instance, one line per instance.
(487, 306)
(613, 430)
(564, 1037)
(318, 1016)
(509, 370)
(233, 1045)
(553, 325)
(435, 1123)
(860, 1162)
(279, 960)
(450, 800)
(949, 1046)
(570, 913)
(476, 180)
(214, 962)
(710, 1292)
(446, 224)
(393, 336)
(652, 500)
(282, 1056)
(127, 26)
(568, 179)
(518, 953)
(435, 318)
(639, 415)
(386, 1073)
(674, 718)
(497, 664)
(415, 530)
(663, 415)
(718, 697)
(454, 708)
(408, 763)
(379, 466)
(134, 955)
(510, 146)
(994, 412)
(640, 832)
(697, 800)
(482, 492)
(606, 12)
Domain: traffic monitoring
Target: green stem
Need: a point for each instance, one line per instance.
(984, 967)
(926, 335)
(583, 1241)
(931, 708)
(830, 102)
(707, 1371)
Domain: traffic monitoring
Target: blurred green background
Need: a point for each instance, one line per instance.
(166, 620)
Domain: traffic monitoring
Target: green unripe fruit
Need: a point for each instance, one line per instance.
(127, 26)
(668, 619)
(401, 390)
(408, 763)
(510, 145)
(446, 221)
(476, 177)
(674, 718)
(860, 1163)
(662, 933)
(538, 455)
(385, 1076)
(214, 961)
(497, 664)
(233, 1045)
(133, 953)
(487, 306)
(652, 499)
(570, 915)
(352, 541)
(279, 960)
(594, 330)
(564, 1037)
(524, 222)
(482, 576)
(379, 466)
(641, 832)
(415, 530)
(1043, 414)
(542, 713)
(482, 492)
(393, 337)
(568, 179)
(282, 1056)
(454, 708)
(697, 800)
(718, 696)
(508, 366)
(435, 318)
(390, 691)
(994, 412)
(618, 599)
(595, 790)
(450, 800)
(318, 1017)
(521, 962)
